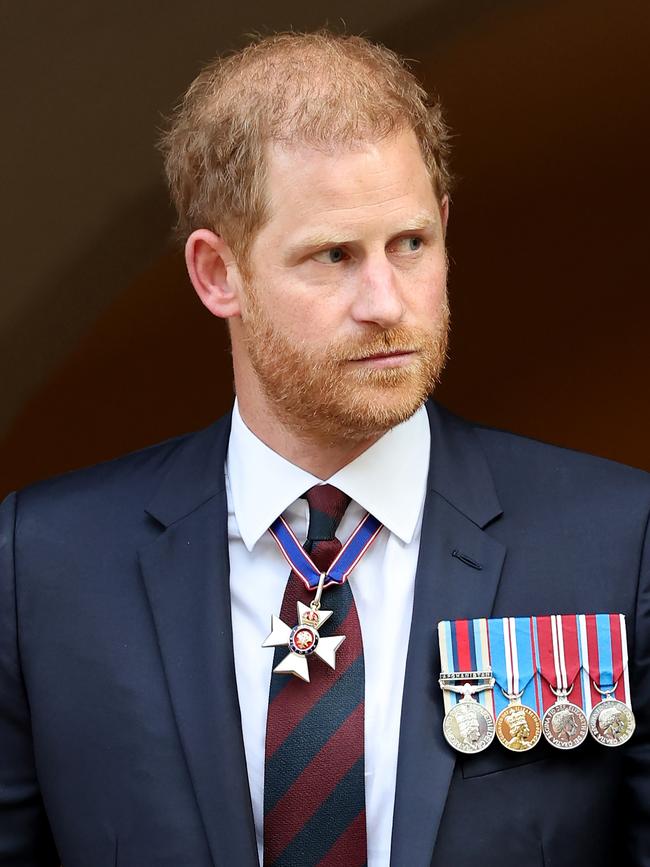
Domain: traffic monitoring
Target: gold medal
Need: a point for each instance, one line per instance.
(518, 727)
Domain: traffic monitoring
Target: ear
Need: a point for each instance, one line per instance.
(444, 214)
(213, 271)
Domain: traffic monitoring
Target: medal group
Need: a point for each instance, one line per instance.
(561, 677)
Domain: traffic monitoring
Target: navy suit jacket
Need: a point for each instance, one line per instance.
(120, 733)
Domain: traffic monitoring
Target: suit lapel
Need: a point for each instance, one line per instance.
(460, 502)
(186, 576)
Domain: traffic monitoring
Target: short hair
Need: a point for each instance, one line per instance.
(320, 89)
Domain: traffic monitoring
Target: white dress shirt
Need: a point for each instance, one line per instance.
(388, 480)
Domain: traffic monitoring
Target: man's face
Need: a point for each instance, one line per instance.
(345, 318)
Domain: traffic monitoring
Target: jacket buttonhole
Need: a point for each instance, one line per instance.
(465, 559)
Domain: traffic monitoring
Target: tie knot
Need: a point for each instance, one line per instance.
(327, 506)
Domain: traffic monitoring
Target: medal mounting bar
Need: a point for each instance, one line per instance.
(451, 676)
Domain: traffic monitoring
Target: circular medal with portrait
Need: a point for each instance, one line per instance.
(564, 725)
(612, 723)
(518, 727)
(469, 727)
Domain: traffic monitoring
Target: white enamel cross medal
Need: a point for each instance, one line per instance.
(303, 640)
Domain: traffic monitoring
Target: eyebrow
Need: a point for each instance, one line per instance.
(335, 237)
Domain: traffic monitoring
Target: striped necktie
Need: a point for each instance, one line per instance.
(314, 794)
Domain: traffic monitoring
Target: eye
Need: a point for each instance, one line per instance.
(408, 244)
(332, 256)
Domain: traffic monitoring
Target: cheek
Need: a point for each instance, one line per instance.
(281, 306)
(427, 290)
(309, 311)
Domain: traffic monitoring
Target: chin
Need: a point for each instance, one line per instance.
(371, 415)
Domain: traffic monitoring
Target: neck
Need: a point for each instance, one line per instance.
(321, 459)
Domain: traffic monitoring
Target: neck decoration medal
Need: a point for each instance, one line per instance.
(513, 654)
(304, 639)
(468, 725)
(564, 724)
(611, 722)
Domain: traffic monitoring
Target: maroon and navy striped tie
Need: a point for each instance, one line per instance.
(314, 794)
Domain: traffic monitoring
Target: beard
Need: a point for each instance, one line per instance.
(321, 394)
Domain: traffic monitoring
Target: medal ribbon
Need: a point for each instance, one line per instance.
(559, 657)
(465, 646)
(514, 661)
(299, 560)
(603, 645)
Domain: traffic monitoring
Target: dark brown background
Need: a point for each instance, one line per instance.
(548, 240)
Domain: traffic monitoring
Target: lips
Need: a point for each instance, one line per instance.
(378, 355)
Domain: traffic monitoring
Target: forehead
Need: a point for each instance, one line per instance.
(347, 187)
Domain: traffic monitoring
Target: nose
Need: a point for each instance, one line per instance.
(378, 298)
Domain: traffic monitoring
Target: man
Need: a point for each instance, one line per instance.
(143, 721)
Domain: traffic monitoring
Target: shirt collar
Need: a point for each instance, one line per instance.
(388, 479)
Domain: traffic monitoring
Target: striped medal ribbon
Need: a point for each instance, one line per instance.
(468, 725)
(304, 638)
(603, 642)
(513, 652)
(352, 551)
(564, 723)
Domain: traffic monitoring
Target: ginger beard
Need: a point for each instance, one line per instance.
(320, 394)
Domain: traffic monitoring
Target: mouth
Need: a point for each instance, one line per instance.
(394, 358)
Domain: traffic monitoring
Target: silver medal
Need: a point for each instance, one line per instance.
(611, 722)
(564, 724)
(304, 639)
(468, 727)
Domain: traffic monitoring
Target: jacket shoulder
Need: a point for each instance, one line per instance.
(529, 463)
(124, 484)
